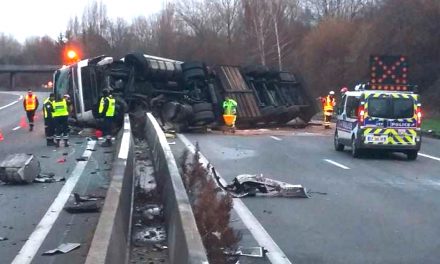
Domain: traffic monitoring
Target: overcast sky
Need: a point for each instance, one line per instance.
(26, 18)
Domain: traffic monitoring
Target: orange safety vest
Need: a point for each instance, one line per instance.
(328, 103)
(31, 102)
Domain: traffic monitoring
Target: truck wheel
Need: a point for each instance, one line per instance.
(205, 117)
(202, 107)
(355, 151)
(338, 146)
(411, 154)
(192, 65)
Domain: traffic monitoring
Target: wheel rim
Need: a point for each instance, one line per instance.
(336, 140)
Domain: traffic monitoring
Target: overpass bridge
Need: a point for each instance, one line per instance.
(12, 70)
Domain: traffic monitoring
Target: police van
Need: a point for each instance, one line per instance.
(384, 119)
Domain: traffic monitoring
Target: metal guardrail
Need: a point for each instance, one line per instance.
(184, 240)
(111, 241)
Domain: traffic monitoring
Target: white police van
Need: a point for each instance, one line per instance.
(379, 119)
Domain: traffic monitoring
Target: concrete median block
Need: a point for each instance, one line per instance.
(19, 168)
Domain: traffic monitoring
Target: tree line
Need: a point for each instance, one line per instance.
(327, 42)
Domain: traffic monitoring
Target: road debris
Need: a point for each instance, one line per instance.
(256, 185)
(257, 252)
(160, 246)
(80, 199)
(63, 248)
(82, 159)
(3, 238)
(150, 234)
(86, 207)
(152, 211)
(19, 168)
(62, 160)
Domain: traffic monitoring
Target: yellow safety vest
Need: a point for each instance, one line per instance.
(44, 107)
(111, 106)
(30, 102)
(60, 108)
(329, 103)
(230, 107)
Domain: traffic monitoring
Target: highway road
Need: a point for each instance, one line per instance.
(378, 209)
(31, 215)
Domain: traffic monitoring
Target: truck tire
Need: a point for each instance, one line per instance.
(139, 62)
(193, 74)
(169, 111)
(205, 117)
(192, 65)
(202, 107)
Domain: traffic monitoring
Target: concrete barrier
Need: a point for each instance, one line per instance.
(184, 241)
(111, 241)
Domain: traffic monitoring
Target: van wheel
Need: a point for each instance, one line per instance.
(411, 154)
(355, 151)
(338, 146)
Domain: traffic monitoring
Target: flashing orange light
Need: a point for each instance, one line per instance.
(71, 54)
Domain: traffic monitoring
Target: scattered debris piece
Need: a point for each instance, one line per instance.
(172, 143)
(46, 175)
(44, 156)
(86, 207)
(82, 159)
(160, 246)
(61, 160)
(89, 149)
(252, 185)
(258, 252)
(65, 153)
(169, 135)
(3, 238)
(49, 179)
(152, 212)
(150, 234)
(63, 248)
(19, 168)
(81, 199)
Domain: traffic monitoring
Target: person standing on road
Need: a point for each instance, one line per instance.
(30, 105)
(61, 115)
(328, 103)
(107, 105)
(49, 124)
(230, 111)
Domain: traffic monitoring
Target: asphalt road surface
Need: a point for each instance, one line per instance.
(25, 215)
(377, 209)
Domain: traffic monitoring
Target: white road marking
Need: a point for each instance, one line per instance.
(275, 254)
(337, 164)
(429, 156)
(16, 128)
(36, 239)
(10, 104)
(276, 138)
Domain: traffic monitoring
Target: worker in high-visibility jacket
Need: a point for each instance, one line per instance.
(49, 124)
(328, 103)
(107, 111)
(230, 111)
(30, 104)
(61, 115)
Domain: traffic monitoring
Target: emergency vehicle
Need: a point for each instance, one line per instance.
(383, 114)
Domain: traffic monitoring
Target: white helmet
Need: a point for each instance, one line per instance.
(331, 93)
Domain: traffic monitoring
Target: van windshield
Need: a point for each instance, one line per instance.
(390, 107)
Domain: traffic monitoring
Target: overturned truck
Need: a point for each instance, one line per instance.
(183, 95)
